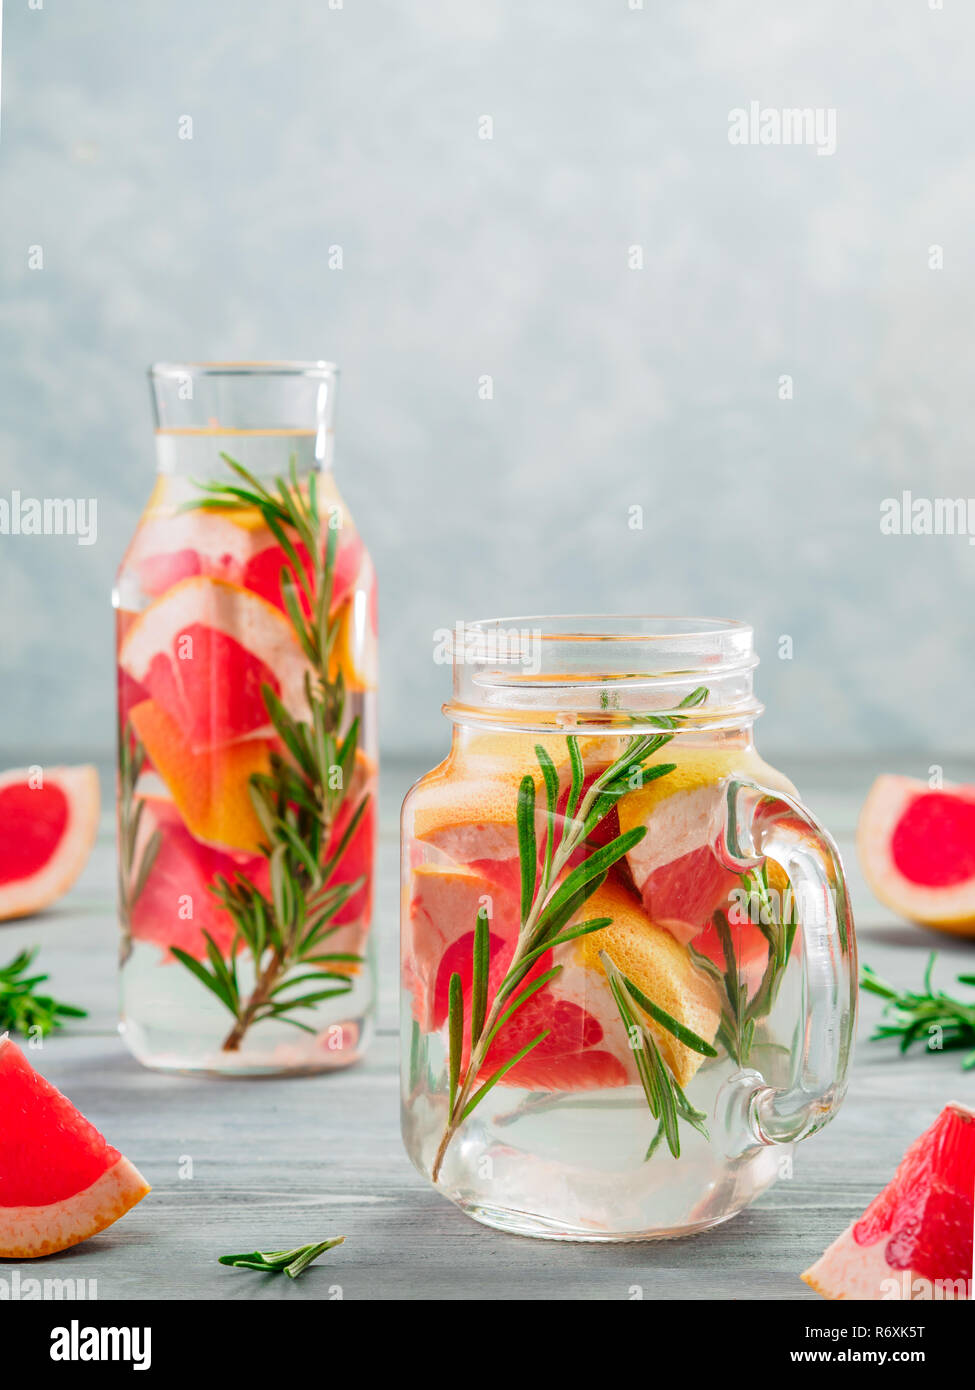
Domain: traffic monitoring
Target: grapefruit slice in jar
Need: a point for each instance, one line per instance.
(917, 849)
(48, 824)
(203, 651)
(60, 1181)
(914, 1241)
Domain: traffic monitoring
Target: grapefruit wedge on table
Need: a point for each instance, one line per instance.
(48, 823)
(60, 1181)
(917, 850)
(914, 1240)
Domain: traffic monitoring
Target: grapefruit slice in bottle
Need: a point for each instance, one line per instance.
(917, 850)
(48, 823)
(204, 650)
(914, 1241)
(232, 544)
(210, 788)
(175, 905)
(60, 1181)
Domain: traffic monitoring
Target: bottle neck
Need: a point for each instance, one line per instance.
(202, 453)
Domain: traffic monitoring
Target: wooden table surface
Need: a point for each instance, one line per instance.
(279, 1163)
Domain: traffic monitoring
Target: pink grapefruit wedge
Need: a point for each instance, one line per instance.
(917, 850)
(204, 650)
(60, 1182)
(48, 823)
(914, 1241)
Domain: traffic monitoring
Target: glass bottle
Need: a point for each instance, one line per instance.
(629, 977)
(246, 630)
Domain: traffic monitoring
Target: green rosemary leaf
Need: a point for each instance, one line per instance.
(479, 1095)
(310, 977)
(551, 780)
(349, 956)
(305, 1001)
(696, 697)
(634, 1031)
(203, 975)
(152, 848)
(562, 938)
(481, 970)
(598, 862)
(525, 820)
(290, 1262)
(288, 730)
(680, 1032)
(930, 1013)
(578, 777)
(668, 1105)
(22, 1009)
(221, 969)
(299, 1265)
(284, 541)
(455, 1033)
(343, 844)
(300, 850)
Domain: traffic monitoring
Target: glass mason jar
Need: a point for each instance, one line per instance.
(246, 625)
(628, 958)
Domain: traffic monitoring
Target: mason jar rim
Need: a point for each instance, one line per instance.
(594, 670)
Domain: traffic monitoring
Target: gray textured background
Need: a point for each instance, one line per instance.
(612, 387)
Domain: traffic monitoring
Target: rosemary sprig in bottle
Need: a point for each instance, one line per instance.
(298, 801)
(550, 899)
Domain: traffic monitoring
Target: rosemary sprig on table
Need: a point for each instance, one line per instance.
(298, 800)
(911, 1015)
(289, 1262)
(22, 1009)
(549, 901)
(740, 1014)
(665, 1097)
(131, 875)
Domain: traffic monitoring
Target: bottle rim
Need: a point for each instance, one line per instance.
(285, 367)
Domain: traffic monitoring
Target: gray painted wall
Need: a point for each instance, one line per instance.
(613, 386)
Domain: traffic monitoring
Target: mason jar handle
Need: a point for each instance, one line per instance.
(753, 824)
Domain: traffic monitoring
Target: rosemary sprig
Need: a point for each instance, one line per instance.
(740, 1015)
(132, 876)
(298, 800)
(665, 1097)
(289, 1262)
(550, 899)
(941, 1021)
(22, 1009)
